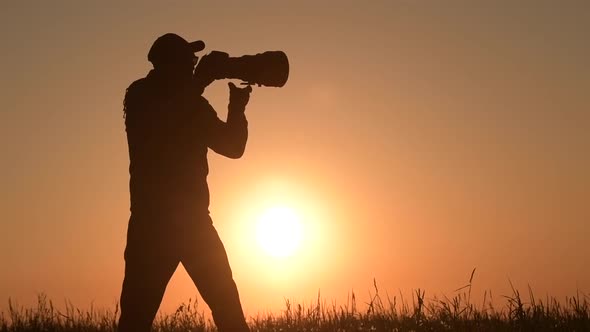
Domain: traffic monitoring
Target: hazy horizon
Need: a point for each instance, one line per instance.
(416, 140)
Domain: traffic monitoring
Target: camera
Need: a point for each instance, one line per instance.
(270, 68)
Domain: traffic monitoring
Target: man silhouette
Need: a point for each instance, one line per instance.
(170, 127)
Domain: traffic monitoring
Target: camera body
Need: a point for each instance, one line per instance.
(270, 68)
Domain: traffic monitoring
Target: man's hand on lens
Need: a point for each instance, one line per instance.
(209, 68)
(239, 96)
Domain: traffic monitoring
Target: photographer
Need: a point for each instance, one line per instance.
(170, 128)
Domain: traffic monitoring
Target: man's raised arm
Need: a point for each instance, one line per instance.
(229, 138)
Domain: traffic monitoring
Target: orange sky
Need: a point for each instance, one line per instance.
(416, 139)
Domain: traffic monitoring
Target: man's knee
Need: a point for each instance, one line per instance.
(144, 285)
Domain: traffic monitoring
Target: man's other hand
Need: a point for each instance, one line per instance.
(239, 96)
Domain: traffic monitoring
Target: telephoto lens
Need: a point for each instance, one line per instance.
(270, 68)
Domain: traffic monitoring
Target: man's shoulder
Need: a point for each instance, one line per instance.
(136, 94)
(137, 86)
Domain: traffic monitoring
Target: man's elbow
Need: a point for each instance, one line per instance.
(231, 148)
(238, 147)
(236, 152)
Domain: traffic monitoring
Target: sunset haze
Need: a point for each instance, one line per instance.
(415, 141)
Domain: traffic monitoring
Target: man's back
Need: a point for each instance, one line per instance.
(169, 130)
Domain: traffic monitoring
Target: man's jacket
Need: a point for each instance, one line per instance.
(169, 130)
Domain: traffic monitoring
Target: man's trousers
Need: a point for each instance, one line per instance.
(154, 248)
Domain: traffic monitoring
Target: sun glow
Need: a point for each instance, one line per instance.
(279, 231)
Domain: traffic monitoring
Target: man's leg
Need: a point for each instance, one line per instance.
(148, 268)
(206, 262)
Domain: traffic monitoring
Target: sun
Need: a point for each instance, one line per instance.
(279, 231)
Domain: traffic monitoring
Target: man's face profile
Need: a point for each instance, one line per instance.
(182, 67)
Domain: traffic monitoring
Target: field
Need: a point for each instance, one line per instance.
(379, 313)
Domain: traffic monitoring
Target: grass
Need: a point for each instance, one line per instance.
(380, 313)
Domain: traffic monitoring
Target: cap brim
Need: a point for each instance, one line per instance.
(197, 45)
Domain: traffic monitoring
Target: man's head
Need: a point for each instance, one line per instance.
(174, 55)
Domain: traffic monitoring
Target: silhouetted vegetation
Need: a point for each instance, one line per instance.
(380, 313)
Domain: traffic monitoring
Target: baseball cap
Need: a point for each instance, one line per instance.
(170, 47)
